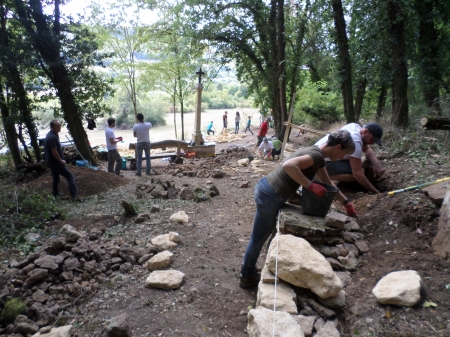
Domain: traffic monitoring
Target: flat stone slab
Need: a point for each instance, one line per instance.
(437, 192)
(294, 221)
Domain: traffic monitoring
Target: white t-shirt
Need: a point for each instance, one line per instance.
(142, 132)
(266, 147)
(354, 130)
(109, 133)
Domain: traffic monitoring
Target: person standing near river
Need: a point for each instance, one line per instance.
(111, 145)
(142, 132)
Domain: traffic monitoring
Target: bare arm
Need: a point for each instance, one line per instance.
(56, 156)
(113, 140)
(294, 166)
(358, 174)
(377, 167)
(323, 176)
(134, 134)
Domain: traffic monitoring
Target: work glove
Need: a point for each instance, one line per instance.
(317, 189)
(351, 211)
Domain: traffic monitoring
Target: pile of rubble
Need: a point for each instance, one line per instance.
(227, 137)
(66, 269)
(312, 258)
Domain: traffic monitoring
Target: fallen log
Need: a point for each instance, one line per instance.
(435, 123)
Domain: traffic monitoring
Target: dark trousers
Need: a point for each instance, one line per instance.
(114, 157)
(208, 131)
(62, 170)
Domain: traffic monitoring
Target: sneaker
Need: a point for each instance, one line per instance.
(248, 282)
(137, 174)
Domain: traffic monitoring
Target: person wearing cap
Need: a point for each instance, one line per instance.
(281, 185)
(265, 148)
(350, 168)
(209, 128)
(262, 131)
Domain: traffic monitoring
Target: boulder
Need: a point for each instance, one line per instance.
(336, 302)
(260, 324)
(328, 330)
(175, 237)
(142, 218)
(399, 288)
(285, 299)
(179, 217)
(163, 242)
(165, 279)
(25, 326)
(335, 219)
(301, 265)
(441, 242)
(160, 261)
(70, 233)
(350, 262)
(35, 276)
(62, 331)
(119, 326)
(306, 323)
(437, 192)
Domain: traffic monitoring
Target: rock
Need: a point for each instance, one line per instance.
(165, 279)
(179, 217)
(71, 264)
(285, 299)
(441, 242)
(336, 302)
(362, 246)
(244, 184)
(40, 296)
(267, 276)
(47, 262)
(173, 236)
(142, 218)
(160, 261)
(320, 309)
(345, 277)
(260, 324)
(328, 330)
(351, 225)
(35, 276)
(55, 246)
(217, 173)
(335, 219)
(163, 242)
(126, 268)
(399, 288)
(45, 330)
(320, 323)
(301, 265)
(306, 323)
(32, 237)
(131, 254)
(244, 162)
(155, 208)
(143, 259)
(24, 326)
(350, 237)
(70, 233)
(213, 191)
(119, 327)
(437, 192)
(349, 247)
(63, 331)
(293, 220)
(350, 262)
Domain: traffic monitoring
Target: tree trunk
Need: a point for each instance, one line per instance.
(46, 42)
(281, 45)
(344, 60)
(181, 106)
(435, 123)
(428, 45)
(360, 92)
(398, 62)
(381, 101)
(10, 130)
(174, 108)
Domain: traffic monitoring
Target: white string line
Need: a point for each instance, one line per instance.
(276, 275)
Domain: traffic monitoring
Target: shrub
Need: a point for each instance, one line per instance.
(13, 308)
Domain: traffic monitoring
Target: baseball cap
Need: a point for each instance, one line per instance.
(376, 130)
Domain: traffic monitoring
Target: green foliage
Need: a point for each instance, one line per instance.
(226, 96)
(13, 308)
(315, 103)
(22, 212)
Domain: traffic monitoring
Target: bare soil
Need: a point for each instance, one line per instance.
(399, 231)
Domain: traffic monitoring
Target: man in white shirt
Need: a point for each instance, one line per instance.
(142, 131)
(111, 145)
(265, 149)
(350, 168)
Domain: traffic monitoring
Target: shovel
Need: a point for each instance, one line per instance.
(95, 168)
(392, 193)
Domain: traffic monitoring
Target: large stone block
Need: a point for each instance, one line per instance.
(399, 288)
(261, 320)
(285, 299)
(441, 242)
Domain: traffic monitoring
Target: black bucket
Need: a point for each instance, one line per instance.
(313, 205)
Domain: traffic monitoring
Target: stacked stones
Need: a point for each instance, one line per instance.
(64, 270)
(309, 291)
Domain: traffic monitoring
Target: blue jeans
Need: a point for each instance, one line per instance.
(143, 146)
(57, 170)
(268, 203)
